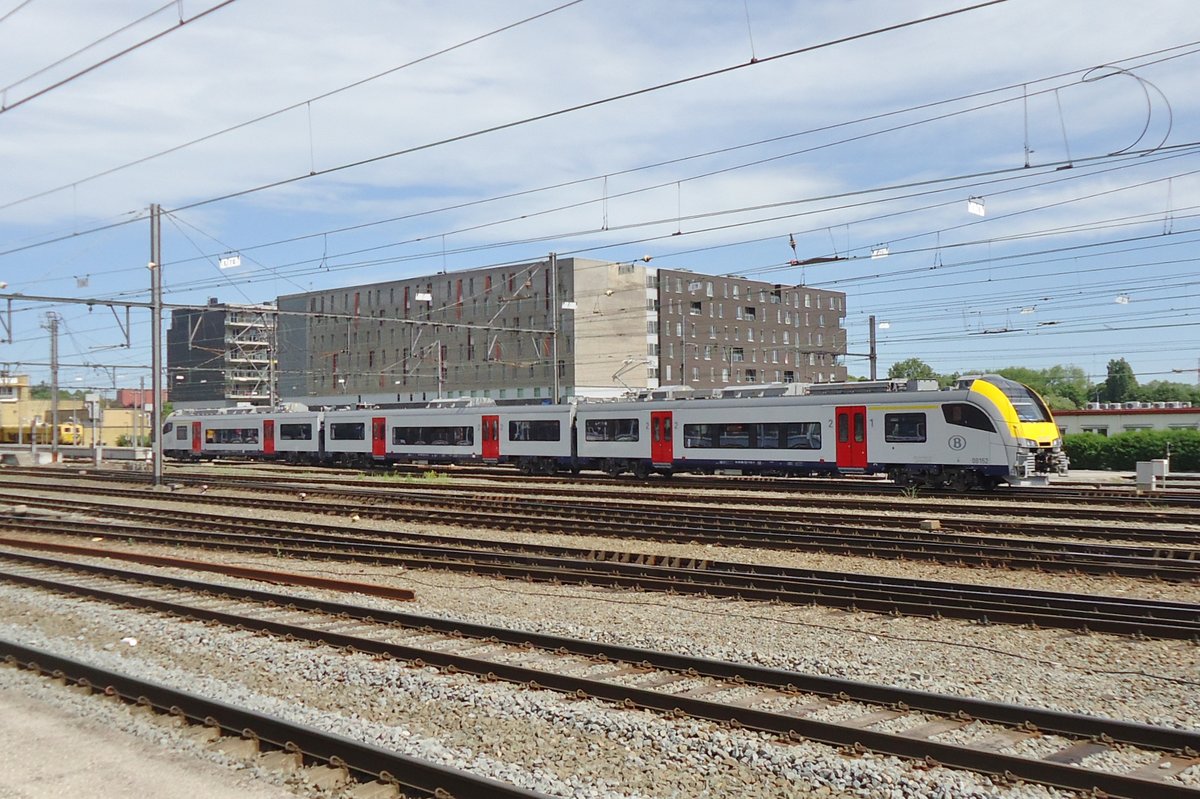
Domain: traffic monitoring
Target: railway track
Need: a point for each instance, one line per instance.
(1114, 504)
(734, 513)
(871, 717)
(642, 571)
(1173, 564)
(363, 762)
(1185, 494)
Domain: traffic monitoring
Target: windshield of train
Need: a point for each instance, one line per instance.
(1028, 405)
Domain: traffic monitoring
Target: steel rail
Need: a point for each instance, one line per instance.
(1045, 521)
(686, 575)
(966, 511)
(1144, 562)
(361, 758)
(690, 525)
(1060, 491)
(1041, 771)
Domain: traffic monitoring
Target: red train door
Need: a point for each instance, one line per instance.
(490, 433)
(852, 437)
(379, 436)
(268, 436)
(196, 442)
(662, 451)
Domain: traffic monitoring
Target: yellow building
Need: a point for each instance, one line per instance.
(21, 415)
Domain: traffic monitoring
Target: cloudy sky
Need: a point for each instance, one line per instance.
(334, 144)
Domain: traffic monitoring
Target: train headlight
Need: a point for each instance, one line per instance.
(1029, 443)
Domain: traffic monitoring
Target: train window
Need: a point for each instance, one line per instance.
(802, 435)
(1028, 405)
(612, 430)
(699, 436)
(347, 431)
(860, 433)
(733, 436)
(441, 436)
(181, 433)
(766, 435)
(295, 432)
(167, 427)
(965, 415)
(843, 420)
(904, 427)
(534, 430)
(231, 435)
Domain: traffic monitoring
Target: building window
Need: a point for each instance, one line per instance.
(695, 309)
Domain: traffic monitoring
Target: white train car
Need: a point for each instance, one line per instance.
(227, 432)
(242, 432)
(440, 433)
(538, 439)
(293, 436)
(984, 431)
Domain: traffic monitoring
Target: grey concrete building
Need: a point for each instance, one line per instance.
(718, 331)
(221, 355)
(496, 332)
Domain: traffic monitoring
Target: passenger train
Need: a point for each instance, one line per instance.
(984, 431)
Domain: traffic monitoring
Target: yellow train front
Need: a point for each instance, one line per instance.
(69, 434)
(985, 431)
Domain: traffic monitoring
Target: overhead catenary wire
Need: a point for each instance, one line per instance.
(86, 47)
(701, 250)
(72, 235)
(591, 104)
(520, 122)
(303, 103)
(18, 7)
(1172, 53)
(4, 108)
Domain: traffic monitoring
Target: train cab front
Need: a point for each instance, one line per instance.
(1037, 443)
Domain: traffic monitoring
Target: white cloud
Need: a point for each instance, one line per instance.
(252, 58)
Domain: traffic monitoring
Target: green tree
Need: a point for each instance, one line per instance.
(912, 368)
(1121, 384)
(1069, 383)
(1058, 403)
(1166, 391)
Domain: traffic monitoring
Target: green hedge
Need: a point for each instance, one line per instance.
(1122, 452)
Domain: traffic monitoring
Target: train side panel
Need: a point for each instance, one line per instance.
(537, 438)
(449, 435)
